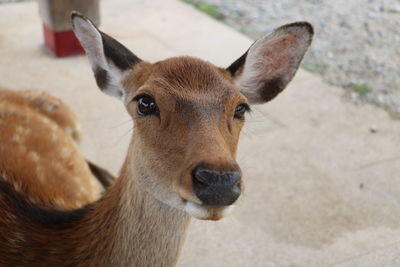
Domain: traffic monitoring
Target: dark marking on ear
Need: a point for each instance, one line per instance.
(300, 24)
(117, 53)
(101, 76)
(270, 88)
(238, 65)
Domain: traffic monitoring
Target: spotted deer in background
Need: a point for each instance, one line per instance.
(180, 163)
(39, 155)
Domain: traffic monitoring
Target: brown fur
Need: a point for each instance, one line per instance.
(48, 106)
(39, 156)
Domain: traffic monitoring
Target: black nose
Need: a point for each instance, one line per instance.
(216, 188)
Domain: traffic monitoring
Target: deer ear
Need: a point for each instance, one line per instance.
(271, 62)
(110, 60)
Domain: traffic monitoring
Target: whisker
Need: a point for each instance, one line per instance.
(124, 135)
(121, 123)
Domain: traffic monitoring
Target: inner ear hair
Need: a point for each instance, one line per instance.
(271, 62)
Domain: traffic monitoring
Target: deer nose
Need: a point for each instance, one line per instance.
(216, 188)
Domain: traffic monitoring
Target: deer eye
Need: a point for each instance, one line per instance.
(146, 105)
(240, 110)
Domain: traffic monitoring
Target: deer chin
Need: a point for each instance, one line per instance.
(203, 212)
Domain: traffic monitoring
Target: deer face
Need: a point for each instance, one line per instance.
(194, 114)
(188, 113)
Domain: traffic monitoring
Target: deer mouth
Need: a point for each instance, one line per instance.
(205, 212)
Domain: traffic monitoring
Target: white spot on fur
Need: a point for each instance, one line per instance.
(3, 176)
(19, 130)
(16, 138)
(45, 120)
(60, 202)
(53, 126)
(65, 152)
(33, 200)
(17, 186)
(54, 136)
(17, 240)
(34, 156)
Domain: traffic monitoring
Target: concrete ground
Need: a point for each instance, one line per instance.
(322, 189)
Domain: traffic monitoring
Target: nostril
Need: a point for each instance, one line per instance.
(200, 177)
(198, 182)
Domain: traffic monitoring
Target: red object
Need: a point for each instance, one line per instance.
(62, 44)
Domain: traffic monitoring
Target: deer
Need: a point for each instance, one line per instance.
(39, 138)
(181, 160)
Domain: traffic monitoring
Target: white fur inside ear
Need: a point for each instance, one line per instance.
(92, 42)
(273, 58)
(90, 39)
(249, 79)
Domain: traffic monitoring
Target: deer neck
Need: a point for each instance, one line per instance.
(140, 230)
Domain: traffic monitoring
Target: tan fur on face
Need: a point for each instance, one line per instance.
(197, 102)
(38, 152)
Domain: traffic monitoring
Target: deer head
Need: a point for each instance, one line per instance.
(188, 113)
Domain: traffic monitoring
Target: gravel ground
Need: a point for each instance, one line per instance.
(357, 43)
